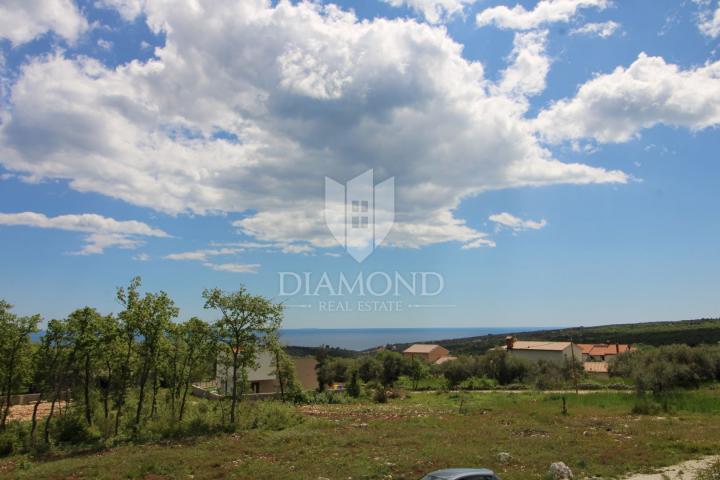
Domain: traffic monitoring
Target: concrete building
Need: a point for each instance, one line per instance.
(428, 353)
(554, 352)
(262, 379)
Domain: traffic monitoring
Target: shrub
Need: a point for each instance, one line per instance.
(380, 395)
(7, 444)
(72, 429)
(272, 416)
(478, 383)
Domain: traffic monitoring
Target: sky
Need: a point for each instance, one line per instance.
(544, 163)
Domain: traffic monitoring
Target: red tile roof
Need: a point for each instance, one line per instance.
(603, 349)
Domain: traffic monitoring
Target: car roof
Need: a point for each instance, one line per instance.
(453, 473)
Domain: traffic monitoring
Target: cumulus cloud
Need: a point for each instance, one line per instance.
(434, 11)
(516, 224)
(102, 232)
(546, 11)
(602, 30)
(306, 91)
(24, 20)
(530, 65)
(617, 106)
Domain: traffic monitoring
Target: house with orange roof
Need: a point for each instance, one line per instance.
(602, 352)
(428, 353)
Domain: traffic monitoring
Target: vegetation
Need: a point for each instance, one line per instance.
(105, 380)
(406, 438)
(688, 332)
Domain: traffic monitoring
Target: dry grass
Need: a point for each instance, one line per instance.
(407, 438)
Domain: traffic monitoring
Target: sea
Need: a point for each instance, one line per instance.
(365, 338)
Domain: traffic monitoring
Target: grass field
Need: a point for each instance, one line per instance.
(406, 438)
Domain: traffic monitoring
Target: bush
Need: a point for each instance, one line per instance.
(478, 383)
(7, 444)
(72, 429)
(380, 395)
(272, 416)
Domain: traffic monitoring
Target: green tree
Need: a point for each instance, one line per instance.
(48, 363)
(15, 334)
(84, 333)
(244, 320)
(392, 367)
(284, 369)
(417, 370)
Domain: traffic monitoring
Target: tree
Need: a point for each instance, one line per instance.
(155, 312)
(354, 389)
(14, 346)
(83, 328)
(369, 368)
(127, 331)
(284, 369)
(392, 367)
(245, 319)
(191, 348)
(47, 363)
(417, 370)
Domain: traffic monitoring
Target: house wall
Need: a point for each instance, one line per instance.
(430, 357)
(264, 374)
(305, 371)
(555, 356)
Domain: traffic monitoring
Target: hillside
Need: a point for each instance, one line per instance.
(691, 332)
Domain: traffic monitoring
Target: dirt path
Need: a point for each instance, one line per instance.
(24, 412)
(682, 471)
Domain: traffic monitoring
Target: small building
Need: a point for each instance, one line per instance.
(554, 352)
(262, 379)
(602, 352)
(426, 352)
(596, 369)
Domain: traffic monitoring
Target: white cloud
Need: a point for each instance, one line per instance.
(616, 106)
(203, 255)
(142, 257)
(105, 44)
(103, 232)
(434, 11)
(602, 30)
(128, 9)
(516, 224)
(308, 91)
(708, 19)
(530, 65)
(24, 20)
(233, 267)
(546, 11)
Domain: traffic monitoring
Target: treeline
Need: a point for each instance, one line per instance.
(655, 370)
(663, 369)
(109, 376)
(688, 332)
(386, 369)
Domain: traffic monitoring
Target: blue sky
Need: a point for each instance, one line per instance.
(555, 162)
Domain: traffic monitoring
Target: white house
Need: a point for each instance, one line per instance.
(262, 379)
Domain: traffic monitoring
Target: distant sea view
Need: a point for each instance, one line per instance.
(364, 338)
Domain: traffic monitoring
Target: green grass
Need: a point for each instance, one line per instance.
(406, 438)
